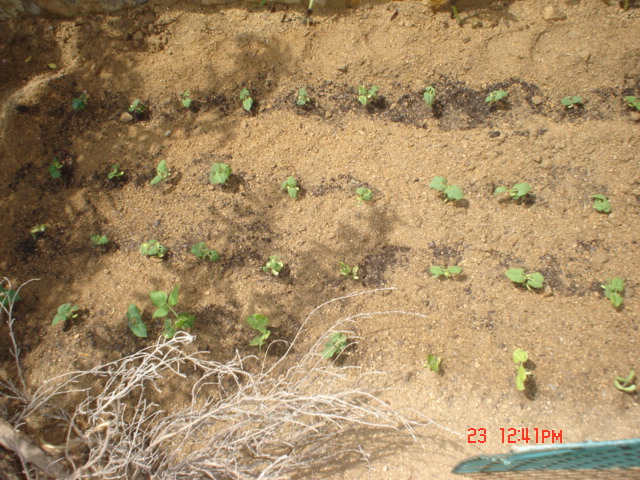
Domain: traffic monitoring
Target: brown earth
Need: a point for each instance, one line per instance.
(539, 52)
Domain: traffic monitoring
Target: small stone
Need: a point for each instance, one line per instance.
(344, 68)
(126, 117)
(168, 133)
(537, 100)
(137, 37)
(476, 24)
(552, 13)
(466, 39)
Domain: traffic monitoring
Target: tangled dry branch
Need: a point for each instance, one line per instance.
(298, 414)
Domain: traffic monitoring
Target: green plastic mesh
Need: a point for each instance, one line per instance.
(618, 459)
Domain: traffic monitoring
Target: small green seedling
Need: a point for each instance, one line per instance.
(517, 192)
(55, 169)
(247, 101)
(134, 320)
(115, 173)
(613, 291)
(153, 248)
(626, 384)
(273, 266)
(429, 96)
(162, 173)
(451, 192)
(66, 311)
(438, 271)
(495, 97)
(137, 107)
(520, 357)
(532, 280)
(291, 186)
(79, 103)
(601, 203)
(633, 102)
(201, 251)
(302, 98)
(99, 240)
(367, 96)
(164, 304)
(347, 271)
(259, 323)
(336, 344)
(432, 363)
(571, 102)
(8, 296)
(185, 98)
(37, 230)
(220, 173)
(364, 194)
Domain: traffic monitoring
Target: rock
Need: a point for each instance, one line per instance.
(126, 117)
(537, 100)
(476, 24)
(552, 13)
(344, 68)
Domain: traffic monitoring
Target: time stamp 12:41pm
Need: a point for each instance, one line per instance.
(523, 435)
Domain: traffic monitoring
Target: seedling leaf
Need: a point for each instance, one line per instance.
(134, 320)
(601, 203)
(65, 312)
(429, 96)
(336, 344)
(432, 363)
(220, 173)
(520, 356)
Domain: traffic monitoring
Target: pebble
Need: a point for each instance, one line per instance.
(168, 133)
(126, 117)
(476, 24)
(552, 13)
(537, 100)
(343, 68)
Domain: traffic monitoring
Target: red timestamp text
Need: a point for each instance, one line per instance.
(515, 435)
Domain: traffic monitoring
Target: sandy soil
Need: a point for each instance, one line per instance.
(577, 342)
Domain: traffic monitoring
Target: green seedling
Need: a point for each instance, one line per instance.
(336, 344)
(571, 102)
(517, 192)
(291, 186)
(114, 172)
(364, 194)
(220, 173)
(429, 96)
(55, 169)
(201, 251)
(137, 107)
(153, 248)
(633, 102)
(8, 297)
(37, 230)
(162, 173)
(66, 311)
(99, 240)
(601, 203)
(302, 98)
(438, 271)
(247, 101)
(626, 384)
(185, 98)
(367, 96)
(451, 192)
(259, 323)
(347, 271)
(520, 357)
(495, 97)
(79, 103)
(613, 291)
(532, 280)
(164, 304)
(273, 266)
(134, 320)
(432, 363)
